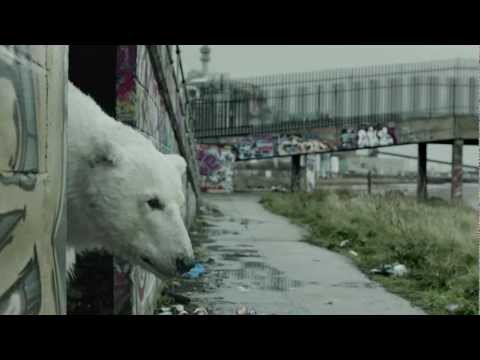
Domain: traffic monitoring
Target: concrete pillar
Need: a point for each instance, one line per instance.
(296, 174)
(310, 172)
(422, 172)
(457, 169)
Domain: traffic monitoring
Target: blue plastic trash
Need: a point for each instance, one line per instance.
(196, 271)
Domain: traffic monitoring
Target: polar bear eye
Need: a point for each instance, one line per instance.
(155, 203)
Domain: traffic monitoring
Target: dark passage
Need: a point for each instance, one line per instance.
(93, 70)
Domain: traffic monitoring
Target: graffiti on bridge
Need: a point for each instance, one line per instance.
(301, 144)
(367, 136)
(255, 147)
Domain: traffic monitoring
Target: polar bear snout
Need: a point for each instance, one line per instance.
(183, 264)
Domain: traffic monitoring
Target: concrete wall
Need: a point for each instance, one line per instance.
(147, 99)
(32, 179)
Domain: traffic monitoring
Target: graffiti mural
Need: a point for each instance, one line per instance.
(255, 147)
(216, 167)
(368, 136)
(126, 96)
(32, 181)
(301, 144)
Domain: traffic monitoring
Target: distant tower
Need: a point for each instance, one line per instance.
(205, 58)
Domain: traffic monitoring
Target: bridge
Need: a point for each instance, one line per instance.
(333, 111)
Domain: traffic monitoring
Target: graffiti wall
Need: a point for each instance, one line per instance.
(295, 144)
(141, 103)
(368, 136)
(215, 167)
(32, 179)
(255, 147)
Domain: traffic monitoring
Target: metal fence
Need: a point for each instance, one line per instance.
(344, 97)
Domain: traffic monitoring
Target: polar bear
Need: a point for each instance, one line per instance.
(122, 194)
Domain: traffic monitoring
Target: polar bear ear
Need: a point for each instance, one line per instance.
(104, 154)
(177, 161)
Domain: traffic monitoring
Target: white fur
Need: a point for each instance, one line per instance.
(112, 172)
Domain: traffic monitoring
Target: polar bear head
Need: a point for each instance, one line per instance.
(134, 197)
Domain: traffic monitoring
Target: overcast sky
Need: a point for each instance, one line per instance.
(255, 60)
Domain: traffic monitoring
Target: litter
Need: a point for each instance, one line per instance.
(399, 270)
(242, 289)
(344, 243)
(196, 271)
(354, 253)
(179, 308)
(242, 310)
(391, 270)
(453, 307)
(200, 311)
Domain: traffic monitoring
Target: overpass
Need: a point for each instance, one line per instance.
(334, 111)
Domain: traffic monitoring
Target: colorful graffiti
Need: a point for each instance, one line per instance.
(126, 64)
(368, 136)
(300, 144)
(32, 148)
(216, 167)
(255, 147)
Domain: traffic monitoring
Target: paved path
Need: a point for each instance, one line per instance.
(261, 263)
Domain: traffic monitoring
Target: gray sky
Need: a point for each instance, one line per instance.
(255, 60)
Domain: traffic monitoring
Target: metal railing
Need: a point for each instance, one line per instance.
(355, 97)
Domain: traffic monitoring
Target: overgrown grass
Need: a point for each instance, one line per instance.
(434, 239)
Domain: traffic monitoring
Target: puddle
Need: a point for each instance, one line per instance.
(259, 276)
(236, 255)
(348, 284)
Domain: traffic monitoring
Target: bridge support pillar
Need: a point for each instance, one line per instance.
(457, 169)
(422, 172)
(296, 179)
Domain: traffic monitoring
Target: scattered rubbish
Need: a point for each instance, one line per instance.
(344, 243)
(200, 311)
(179, 308)
(183, 313)
(165, 309)
(399, 270)
(391, 270)
(354, 253)
(195, 272)
(242, 310)
(242, 289)
(453, 307)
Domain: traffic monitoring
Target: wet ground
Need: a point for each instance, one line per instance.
(258, 260)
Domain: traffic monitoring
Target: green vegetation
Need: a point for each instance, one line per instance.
(434, 239)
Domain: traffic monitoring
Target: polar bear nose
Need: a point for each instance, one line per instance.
(183, 265)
